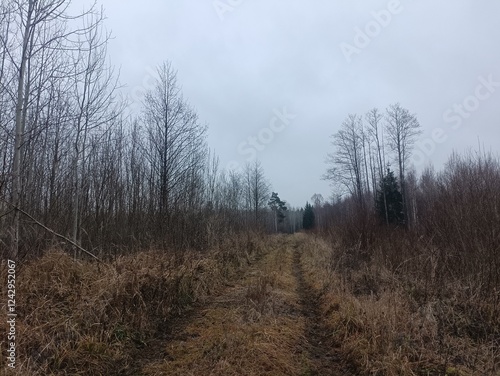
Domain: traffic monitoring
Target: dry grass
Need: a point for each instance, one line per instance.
(81, 318)
(254, 328)
(386, 325)
(129, 316)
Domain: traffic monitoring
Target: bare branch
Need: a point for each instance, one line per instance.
(52, 231)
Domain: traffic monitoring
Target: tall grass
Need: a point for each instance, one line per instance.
(390, 323)
(84, 318)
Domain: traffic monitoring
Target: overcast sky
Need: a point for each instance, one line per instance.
(276, 78)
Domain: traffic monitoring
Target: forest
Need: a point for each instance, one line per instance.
(136, 253)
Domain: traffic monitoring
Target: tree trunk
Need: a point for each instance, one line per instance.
(19, 135)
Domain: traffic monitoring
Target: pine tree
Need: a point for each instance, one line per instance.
(308, 217)
(279, 209)
(393, 199)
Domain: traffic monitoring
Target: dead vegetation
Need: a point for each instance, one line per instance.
(393, 323)
(249, 314)
(84, 318)
(419, 295)
(283, 305)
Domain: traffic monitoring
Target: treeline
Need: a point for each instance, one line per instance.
(445, 224)
(73, 160)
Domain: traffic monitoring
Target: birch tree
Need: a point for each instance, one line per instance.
(374, 119)
(402, 129)
(39, 27)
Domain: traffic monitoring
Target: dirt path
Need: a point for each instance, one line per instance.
(321, 345)
(266, 323)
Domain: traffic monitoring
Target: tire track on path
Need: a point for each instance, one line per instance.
(324, 354)
(267, 322)
(254, 327)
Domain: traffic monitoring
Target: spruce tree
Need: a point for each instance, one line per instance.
(393, 199)
(308, 217)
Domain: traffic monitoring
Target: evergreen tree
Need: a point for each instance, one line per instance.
(393, 213)
(279, 209)
(308, 217)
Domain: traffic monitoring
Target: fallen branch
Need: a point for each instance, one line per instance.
(6, 214)
(53, 232)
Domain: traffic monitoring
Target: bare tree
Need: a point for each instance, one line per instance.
(29, 21)
(6, 13)
(177, 149)
(346, 167)
(318, 201)
(374, 118)
(346, 163)
(41, 30)
(257, 190)
(402, 129)
(94, 99)
(233, 191)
